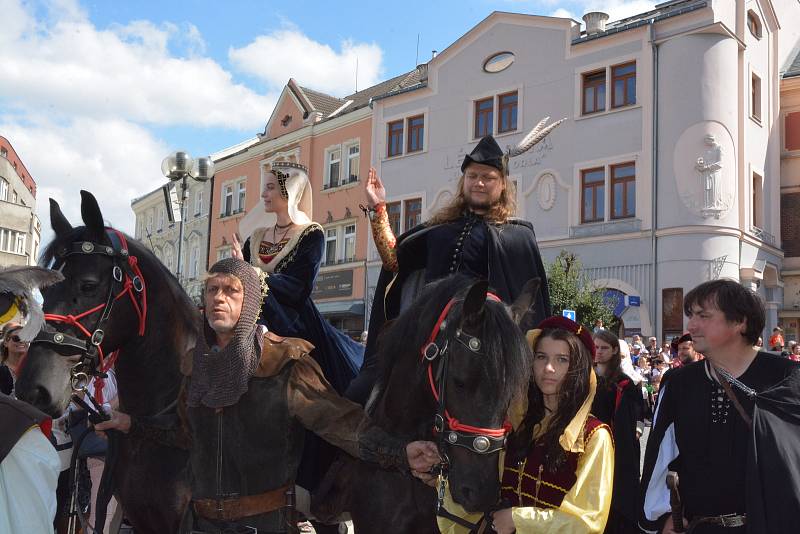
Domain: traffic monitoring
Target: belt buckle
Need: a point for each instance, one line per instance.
(731, 520)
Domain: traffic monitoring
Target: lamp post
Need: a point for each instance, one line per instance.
(179, 167)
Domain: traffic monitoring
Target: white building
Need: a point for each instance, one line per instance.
(155, 231)
(20, 229)
(666, 173)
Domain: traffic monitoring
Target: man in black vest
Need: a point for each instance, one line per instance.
(476, 235)
(248, 396)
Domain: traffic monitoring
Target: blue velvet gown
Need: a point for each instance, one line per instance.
(289, 311)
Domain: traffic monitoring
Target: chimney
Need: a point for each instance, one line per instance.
(434, 53)
(595, 22)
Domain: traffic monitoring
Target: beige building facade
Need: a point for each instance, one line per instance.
(20, 229)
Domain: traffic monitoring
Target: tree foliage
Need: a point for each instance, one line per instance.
(571, 289)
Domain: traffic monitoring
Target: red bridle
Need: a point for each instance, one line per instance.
(131, 286)
(429, 352)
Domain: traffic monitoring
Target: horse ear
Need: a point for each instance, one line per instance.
(90, 213)
(58, 222)
(475, 299)
(526, 301)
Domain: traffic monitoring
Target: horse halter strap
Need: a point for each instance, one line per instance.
(125, 273)
(450, 429)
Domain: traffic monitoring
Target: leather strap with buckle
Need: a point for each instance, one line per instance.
(725, 521)
(235, 508)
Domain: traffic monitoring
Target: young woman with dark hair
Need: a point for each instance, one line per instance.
(619, 403)
(557, 474)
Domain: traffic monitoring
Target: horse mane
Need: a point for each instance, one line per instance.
(182, 307)
(406, 335)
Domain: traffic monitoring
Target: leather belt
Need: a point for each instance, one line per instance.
(234, 508)
(726, 521)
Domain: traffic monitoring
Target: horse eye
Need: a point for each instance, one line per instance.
(88, 287)
(459, 384)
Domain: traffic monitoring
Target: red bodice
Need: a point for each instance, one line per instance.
(529, 483)
(267, 251)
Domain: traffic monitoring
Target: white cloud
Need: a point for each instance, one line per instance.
(67, 65)
(114, 159)
(616, 9)
(563, 13)
(287, 53)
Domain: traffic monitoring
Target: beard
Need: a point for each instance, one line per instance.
(480, 204)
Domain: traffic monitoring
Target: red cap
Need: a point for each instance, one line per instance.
(570, 326)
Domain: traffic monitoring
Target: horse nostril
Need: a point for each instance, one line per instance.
(41, 397)
(467, 493)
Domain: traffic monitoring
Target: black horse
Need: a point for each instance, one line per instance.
(465, 347)
(100, 266)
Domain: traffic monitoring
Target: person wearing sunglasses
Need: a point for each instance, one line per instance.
(13, 351)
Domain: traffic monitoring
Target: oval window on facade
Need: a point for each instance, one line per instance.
(498, 62)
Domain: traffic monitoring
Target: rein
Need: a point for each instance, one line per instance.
(449, 430)
(126, 280)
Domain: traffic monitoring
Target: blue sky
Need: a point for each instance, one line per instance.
(95, 94)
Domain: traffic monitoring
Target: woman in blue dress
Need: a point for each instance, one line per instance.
(287, 245)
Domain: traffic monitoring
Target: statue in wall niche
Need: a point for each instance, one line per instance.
(709, 166)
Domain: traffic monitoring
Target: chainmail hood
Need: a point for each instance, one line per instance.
(220, 377)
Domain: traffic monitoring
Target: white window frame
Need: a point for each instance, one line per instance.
(349, 236)
(241, 196)
(227, 191)
(346, 148)
(329, 162)
(19, 243)
(335, 240)
(223, 252)
(161, 218)
(3, 189)
(194, 261)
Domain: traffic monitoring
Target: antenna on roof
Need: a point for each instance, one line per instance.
(416, 59)
(356, 75)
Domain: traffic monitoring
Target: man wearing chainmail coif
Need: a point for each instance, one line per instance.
(247, 396)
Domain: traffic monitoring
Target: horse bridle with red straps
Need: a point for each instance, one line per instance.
(449, 430)
(125, 276)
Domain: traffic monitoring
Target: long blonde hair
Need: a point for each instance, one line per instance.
(499, 212)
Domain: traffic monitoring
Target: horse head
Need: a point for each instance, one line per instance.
(488, 366)
(99, 308)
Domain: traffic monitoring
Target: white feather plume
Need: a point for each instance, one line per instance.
(538, 133)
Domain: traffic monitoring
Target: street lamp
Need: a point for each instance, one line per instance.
(179, 166)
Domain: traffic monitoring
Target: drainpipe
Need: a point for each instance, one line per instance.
(654, 175)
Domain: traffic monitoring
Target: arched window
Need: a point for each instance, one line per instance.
(754, 24)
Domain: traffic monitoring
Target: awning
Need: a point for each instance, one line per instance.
(341, 307)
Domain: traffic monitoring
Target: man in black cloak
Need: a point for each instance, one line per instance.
(476, 234)
(729, 426)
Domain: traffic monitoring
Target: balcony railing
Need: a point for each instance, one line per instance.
(766, 237)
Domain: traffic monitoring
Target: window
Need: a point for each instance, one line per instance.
(623, 85)
(758, 201)
(161, 215)
(3, 189)
(198, 203)
(242, 196)
(416, 133)
(194, 261)
(350, 242)
(353, 163)
(227, 200)
(149, 222)
(791, 131)
(594, 92)
(330, 246)
(507, 109)
(223, 253)
(393, 211)
(395, 138)
(14, 197)
(754, 24)
(11, 241)
(755, 98)
(484, 117)
(4, 152)
(623, 191)
(413, 215)
(334, 167)
(593, 184)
